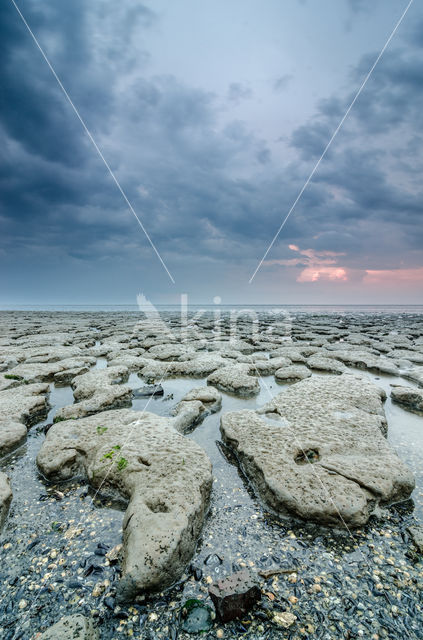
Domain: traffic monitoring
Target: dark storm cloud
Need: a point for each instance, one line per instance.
(310, 141)
(371, 172)
(206, 189)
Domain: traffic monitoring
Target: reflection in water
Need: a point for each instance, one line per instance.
(405, 432)
(239, 529)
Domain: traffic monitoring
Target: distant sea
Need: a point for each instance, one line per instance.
(302, 308)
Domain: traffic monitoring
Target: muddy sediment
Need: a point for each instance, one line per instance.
(361, 578)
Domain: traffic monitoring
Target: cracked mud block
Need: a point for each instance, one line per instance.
(235, 379)
(409, 398)
(317, 451)
(140, 457)
(197, 404)
(20, 407)
(292, 373)
(97, 391)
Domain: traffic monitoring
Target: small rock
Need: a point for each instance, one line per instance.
(283, 619)
(109, 602)
(100, 551)
(197, 573)
(99, 589)
(198, 617)
(114, 554)
(148, 390)
(213, 559)
(315, 588)
(235, 595)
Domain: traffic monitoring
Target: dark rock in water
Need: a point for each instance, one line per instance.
(100, 552)
(213, 559)
(102, 545)
(121, 615)
(198, 617)
(74, 584)
(93, 566)
(109, 602)
(148, 390)
(33, 544)
(235, 595)
(196, 572)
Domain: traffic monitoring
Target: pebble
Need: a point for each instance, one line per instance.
(284, 619)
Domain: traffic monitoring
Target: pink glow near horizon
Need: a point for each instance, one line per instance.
(324, 265)
(318, 265)
(392, 277)
(311, 274)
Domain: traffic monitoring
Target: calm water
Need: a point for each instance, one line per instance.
(302, 308)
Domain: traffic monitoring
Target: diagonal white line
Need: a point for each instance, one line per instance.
(319, 479)
(86, 516)
(316, 166)
(313, 470)
(131, 208)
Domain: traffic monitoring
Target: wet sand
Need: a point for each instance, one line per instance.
(344, 583)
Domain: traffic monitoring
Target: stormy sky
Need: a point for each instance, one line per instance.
(211, 116)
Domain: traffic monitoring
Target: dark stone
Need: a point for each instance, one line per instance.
(74, 584)
(93, 566)
(109, 602)
(100, 551)
(196, 572)
(197, 617)
(149, 390)
(33, 544)
(235, 595)
(121, 615)
(213, 559)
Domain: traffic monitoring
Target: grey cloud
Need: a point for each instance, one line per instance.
(207, 189)
(281, 83)
(238, 92)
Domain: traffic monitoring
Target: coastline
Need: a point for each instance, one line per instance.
(334, 585)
